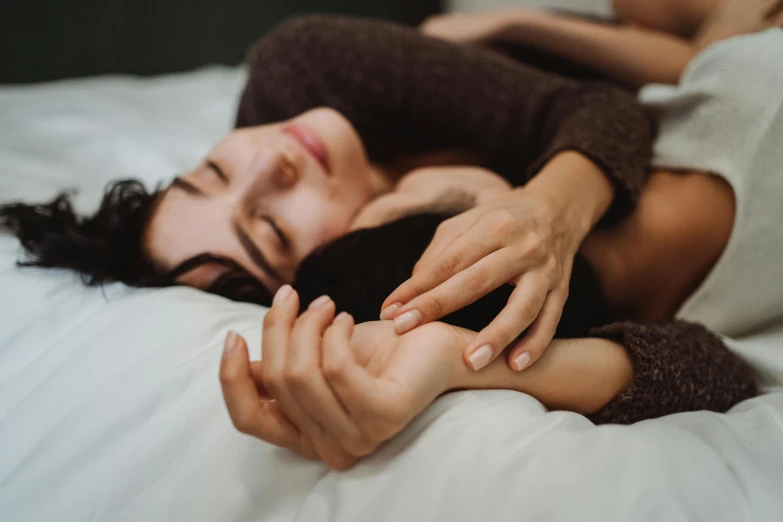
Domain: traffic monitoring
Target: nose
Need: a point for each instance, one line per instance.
(268, 174)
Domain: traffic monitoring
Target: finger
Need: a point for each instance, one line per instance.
(446, 234)
(309, 388)
(464, 288)
(354, 387)
(467, 250)
(248, 414)
(521, 310)
(305, 338)
(278, 325)
(540, 334)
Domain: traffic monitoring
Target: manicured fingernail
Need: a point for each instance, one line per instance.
(389, 312)
(407, 321)
(481, 357)
(521, 361)
(229, 344)
(282, 294)
(321, 301)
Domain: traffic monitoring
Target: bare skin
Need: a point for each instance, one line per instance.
(649, 263)
(658, 40)
(341, 391)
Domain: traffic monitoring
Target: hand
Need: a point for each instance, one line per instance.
(339, 391)
(528, 237)
(466, 28)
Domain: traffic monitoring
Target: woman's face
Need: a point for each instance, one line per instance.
(264, 198)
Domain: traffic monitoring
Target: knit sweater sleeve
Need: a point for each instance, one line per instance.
(678, 367)
(408, 93)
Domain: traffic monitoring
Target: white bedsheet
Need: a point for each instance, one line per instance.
(110, 406)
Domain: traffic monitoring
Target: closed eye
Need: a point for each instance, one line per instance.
(211, 165)
(284, 241)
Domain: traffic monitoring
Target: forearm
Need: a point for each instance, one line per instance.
(630, 54)
(581, 375)
(626, 373)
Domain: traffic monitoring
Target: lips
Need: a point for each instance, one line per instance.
(310, 141)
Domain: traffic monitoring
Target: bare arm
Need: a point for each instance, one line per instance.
(633, 55)
(628, 372)
(340, 391)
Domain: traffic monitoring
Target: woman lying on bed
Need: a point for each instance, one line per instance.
(138, 239)
(271, 192)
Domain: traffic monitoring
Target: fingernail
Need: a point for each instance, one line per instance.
(229, 344)
(407, 321)
(521, 361)
(321, 301)
(282, 294)
(481, 357)
(389, 312)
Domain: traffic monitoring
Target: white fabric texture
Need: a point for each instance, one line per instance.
(726, 118)
(110, 406)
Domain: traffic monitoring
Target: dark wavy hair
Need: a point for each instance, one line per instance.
(108, 245)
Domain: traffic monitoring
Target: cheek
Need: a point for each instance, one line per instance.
(317, 219)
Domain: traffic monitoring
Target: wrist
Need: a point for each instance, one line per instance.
(460, 376)
(575, 189)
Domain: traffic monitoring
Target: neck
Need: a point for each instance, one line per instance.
(382, 179)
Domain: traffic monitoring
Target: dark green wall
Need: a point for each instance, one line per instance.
(48, 39)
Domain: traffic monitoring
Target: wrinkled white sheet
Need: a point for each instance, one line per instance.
(110, 406)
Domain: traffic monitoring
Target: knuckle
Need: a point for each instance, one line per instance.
(504, 221)
(480, 280)
(360, 446)
(243, 423)
(529, 310)
(503, 336)
(433, 307)
(339, 461)
(297, 377)
(449, 265)
(333, 369)
(536, 245)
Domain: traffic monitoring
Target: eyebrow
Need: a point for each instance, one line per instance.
(188, 187)
(255, 254)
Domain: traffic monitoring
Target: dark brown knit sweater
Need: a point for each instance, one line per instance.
(406, 94)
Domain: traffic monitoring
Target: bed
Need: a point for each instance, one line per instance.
(110, 406)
